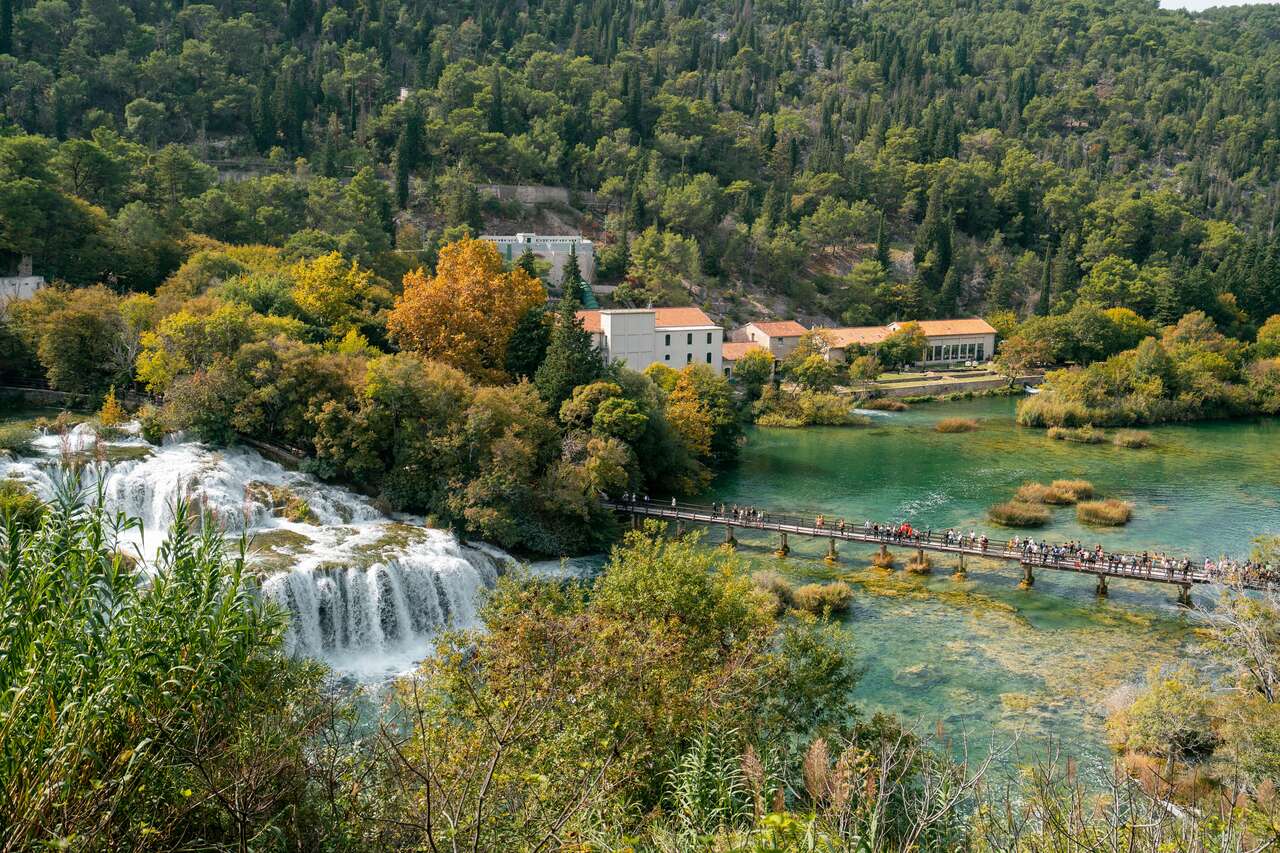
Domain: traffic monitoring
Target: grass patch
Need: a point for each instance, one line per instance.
(822, 598)
(1032, 493)
(15, 439)
(884, 404)
(1132, 438)
(1073, 490)
(956, 425)
(882, 560)
(1080, 435)
(1107, 513)
(775, 585)
(1019, 514)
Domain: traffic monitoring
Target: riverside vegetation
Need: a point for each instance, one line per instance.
(713, 724)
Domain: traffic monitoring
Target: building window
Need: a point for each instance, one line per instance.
(668, 340)
(690, 339)
(708, 337)
(688, 358)
(708, 358)
(666, 357)
(982, 352)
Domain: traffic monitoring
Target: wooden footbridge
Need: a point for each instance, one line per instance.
(1180, 573)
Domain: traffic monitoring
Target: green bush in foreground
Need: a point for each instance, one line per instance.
(15, 439)
(1019, 514)
(1106, 513)
(134, 703)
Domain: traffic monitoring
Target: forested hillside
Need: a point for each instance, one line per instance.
(865, 161)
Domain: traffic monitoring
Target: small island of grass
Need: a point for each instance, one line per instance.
(1018, 513)
(1105, 513)
(949, 425)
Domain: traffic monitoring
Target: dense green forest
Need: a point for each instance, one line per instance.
(865, 162)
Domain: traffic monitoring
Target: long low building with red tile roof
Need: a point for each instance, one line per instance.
(639, 337)
(946, 341)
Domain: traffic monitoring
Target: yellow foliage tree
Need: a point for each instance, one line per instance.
(112, 413)
(690, 417)
(464, 315)
(331, 290)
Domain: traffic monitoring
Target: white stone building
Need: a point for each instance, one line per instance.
(18, 282)
(779, 338)
(948, 341)
(639, 337)
(555, 250)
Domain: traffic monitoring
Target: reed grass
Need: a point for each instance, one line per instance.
(821, 598)
(1073, 490)
(1019, 514)
(955, 425)
(1088, 434)
(884, 404)
(1105, 513)
(1132, 438)
(776, 585)
(920, 564)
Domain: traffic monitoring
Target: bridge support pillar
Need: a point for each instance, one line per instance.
(728, 536)
(635, 521)
(882, 559)
(1101, 589)
(679, 526)
(960, 573)
(783, 548)
(833, 556)
(1184, 595)
(1028, 577)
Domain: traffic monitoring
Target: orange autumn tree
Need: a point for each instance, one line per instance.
(464, 315)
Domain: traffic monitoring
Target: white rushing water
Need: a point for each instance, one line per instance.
(365, 592)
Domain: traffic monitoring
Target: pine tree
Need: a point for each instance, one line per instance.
(571, 279)
(527, 347)
(1065, 275)
(934, 235)
(6, 26)
(528, 262)
(571, 358)
(497, 122)
(112, 413)
(949, 296)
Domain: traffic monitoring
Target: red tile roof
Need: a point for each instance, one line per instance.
(781, 329)
(857, 335)
(734, 350)
(965, 326)
(664, 318)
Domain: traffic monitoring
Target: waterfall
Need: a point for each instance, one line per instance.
(364, 592)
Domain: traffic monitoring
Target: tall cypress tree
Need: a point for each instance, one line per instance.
(527, 262)
(1046, 286)
(527, 347)
(571, 280)
(882, 244)
(6, 26)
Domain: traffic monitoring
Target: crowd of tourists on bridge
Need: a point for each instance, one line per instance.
(1071, 554)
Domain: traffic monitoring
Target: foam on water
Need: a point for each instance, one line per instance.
(365, 592)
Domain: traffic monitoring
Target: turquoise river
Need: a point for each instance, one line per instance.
(981, 658)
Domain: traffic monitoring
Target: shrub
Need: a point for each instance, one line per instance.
(824, 597)
(1132, 438)
(1087, 434)
(153, 424)
(1107, 513)
(112, 414)
(1073, 490)
(19, 503)
(884, 404)
(776, 585)
(956, 425)
(15, 439)
(1019, 514)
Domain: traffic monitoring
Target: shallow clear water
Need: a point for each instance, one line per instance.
(982, 656)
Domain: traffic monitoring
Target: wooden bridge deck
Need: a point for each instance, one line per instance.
(997, 547)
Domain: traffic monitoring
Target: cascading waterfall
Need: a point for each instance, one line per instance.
(364, 592)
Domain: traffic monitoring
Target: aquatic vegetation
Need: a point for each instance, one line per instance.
(820, 598)
(1088, 434)
(1019, 514)
(775, 584)
(1105, 513)
(1132, 438)
(15, 439)
(882, 559)
(1035, 493)
(920, 564)
(955, 425)
(884, 404)
(1074, 490)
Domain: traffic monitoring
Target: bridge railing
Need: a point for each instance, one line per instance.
(1126, 565)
